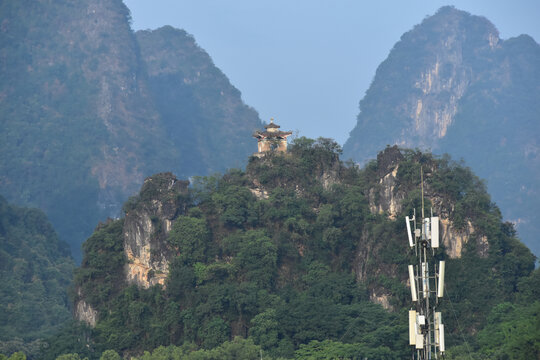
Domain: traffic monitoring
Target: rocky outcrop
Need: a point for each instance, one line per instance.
(454, 239)
(387, 198)
(329, 176)
(146, 227)
(85, 313)
(381, 299)
(258, 190)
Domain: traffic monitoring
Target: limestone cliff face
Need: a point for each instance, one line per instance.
(385, 198)
(146, 228)
(140, 253)
(417, 92)
(451, 85)
(388, 198)
(84, 312)
(79, 95)
(122, 101)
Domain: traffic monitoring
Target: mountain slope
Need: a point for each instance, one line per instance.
(453, 86)
(35, 270)
(81, 127)
(296, 249)
(200, 110)
(76, 130)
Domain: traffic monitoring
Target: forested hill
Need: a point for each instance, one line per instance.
(87, 112)
(301, 255)
(35, 270)
(452, 85)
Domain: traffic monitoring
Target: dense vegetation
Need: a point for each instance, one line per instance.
(35, 270)
(453, 86)
(294, 271)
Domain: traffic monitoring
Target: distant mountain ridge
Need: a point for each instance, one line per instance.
(453, 86)
(198, 106)
(83, 121)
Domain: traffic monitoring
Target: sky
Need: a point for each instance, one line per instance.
(308, 63)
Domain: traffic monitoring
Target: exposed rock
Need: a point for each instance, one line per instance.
(455, 239)
(146, 228)
(385, 198)
(451, 85)
(84, 312)
(259, 192)
(388, 198)
(381, 299)
(329, 177)
(388, 160)
(362, 258)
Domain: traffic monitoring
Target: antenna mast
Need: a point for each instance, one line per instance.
(426, 331)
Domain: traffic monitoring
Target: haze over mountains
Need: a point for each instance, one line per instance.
(284, 253)
(88, 110)
(453, 86)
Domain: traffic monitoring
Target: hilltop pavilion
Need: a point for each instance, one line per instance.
(272, 139)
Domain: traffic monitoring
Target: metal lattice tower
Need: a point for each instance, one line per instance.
(426, 277)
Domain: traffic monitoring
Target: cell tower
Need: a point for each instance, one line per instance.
(426, 330)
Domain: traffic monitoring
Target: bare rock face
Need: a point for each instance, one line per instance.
(381, 299)
(146, 228)
(418, 91)
(388, 198)
(455, 239)
(85, 313)
(452, 85)
(384, 199)
(329, 177)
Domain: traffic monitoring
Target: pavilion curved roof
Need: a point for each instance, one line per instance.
(271, 134)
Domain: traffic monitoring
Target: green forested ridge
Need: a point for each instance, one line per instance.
(294, 271)
(86, 116)
(35, 270)
(453, 86)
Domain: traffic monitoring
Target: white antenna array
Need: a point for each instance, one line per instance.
(426, 330)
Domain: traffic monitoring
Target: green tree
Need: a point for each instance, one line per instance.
(265, 329)
(110, 355)
(190, 235)
(213, 332)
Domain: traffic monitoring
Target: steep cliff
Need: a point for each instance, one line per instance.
(80, 96)
(74, 101)
(451, 85)
(136, 246)
(389, 196)
(146, 227)
(296, 244)
(201, 111)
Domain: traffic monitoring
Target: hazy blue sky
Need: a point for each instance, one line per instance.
(308, 63)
